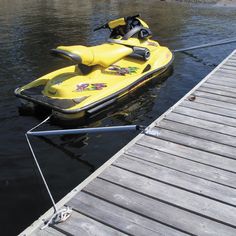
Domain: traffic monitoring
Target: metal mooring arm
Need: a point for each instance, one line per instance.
(220, 42)
(111, 129)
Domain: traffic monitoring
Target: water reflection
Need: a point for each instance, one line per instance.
(66, 147)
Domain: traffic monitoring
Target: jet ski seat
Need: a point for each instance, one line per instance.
(104, 55)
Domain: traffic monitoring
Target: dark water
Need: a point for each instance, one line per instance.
(28, 29)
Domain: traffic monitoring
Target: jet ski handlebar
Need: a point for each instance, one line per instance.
(105, 26)
(131, 18)
(114, 23)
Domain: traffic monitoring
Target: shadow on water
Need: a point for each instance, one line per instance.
(199, 60)
(80, 141)
(29, 29)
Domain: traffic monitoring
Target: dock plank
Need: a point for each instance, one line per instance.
(189, 153)
(219, 87)
(194, 142)
(172, 195)
(178, 179)
(230, 63)
(182, 164)
(217, 92)
(209, 108)
(214, 97)
(196, 122)
(225, 73)
(228, 67)
(206, 116)
(47, 231)
(170, 215)
(222, 78)
(118, 217)
(228, 83)
(198, 132)
(79, 224)
(231, 60)
(207, 101)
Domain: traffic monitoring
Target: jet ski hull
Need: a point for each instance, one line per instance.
(59, 106)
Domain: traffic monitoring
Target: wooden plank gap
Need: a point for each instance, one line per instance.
(219, 87)
(217, 92)
(223, 76)
(208, 108)
(214, 103)
(189, 146)
(158, 199)
(189, 153)
(90, 216)
(118, 217)
(213, 96)
(229, 67)
(173, 196)
(179, 156)
(156, 135)
(207, 125)
(199, 192)
(79, 224)
(219, 75)
(157, 210)
(63, 232)
(222, 81)
(184, 165)
(231, 60)
(225, 73)
(132, 210)
(228, 63)
(195, 142)
(227, 70)
(198, 132)
(227, 83)
(230, 122)
(51, 230)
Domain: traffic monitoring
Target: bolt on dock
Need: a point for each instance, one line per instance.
(176, 178)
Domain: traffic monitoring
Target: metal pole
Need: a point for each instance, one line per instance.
(220, 42)
(87, 130)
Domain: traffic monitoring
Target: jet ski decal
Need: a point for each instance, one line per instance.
(89, 87)
(124, 70)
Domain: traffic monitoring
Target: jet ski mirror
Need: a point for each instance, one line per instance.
(105, 26)
(130, 21)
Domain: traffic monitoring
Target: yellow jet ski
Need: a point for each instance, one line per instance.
(102, 74)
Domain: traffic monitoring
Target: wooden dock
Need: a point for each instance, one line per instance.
(177, 178)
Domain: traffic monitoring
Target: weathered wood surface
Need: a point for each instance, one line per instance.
(178, 178)
(79, 224)
(47, 231)
(119, 217)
